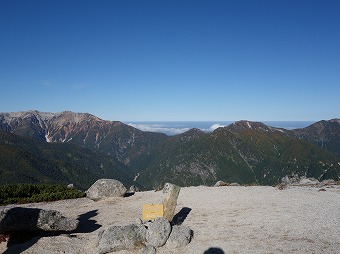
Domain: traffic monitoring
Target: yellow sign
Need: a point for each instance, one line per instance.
(151, 211)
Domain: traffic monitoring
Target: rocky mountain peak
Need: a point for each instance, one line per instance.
(323, 126)
(325, 133)
(190, 134)
(28, 114)
(73, 118)
(335, 120)
(26, 123)
(194, 131)
(82, 129)
(246, 125)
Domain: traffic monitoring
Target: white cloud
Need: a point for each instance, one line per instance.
(172, 129)
(215, 126)
(160, 128)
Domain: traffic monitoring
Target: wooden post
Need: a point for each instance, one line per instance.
(170, 200)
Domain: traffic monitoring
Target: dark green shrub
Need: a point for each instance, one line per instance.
(28, 193)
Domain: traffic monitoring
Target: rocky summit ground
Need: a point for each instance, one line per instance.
(228, 219)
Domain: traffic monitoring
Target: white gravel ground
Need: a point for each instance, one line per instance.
(224, 220)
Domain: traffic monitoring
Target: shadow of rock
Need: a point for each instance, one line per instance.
(19, 219)
(214, 251)
(179, 218)
(85, 224)
(129, 194)
(11, 222)
(20, 241)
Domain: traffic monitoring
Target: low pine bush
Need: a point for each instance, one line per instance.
(28, 193)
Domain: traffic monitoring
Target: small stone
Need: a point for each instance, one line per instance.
(158, 232)
(70, 186)
(133, 189)
(180, 236)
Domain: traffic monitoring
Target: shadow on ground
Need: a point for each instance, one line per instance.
(179, 218)
(23, 240)
(85, 224)
(128, 194)
(214, 250)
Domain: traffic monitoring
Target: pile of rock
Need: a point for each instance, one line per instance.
(296, 180)
(147, 236)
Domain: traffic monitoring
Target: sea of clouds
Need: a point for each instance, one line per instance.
(175, 128)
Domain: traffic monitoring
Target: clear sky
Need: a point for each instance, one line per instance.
(172, 60)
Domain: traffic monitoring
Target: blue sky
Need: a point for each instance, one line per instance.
(172, 60)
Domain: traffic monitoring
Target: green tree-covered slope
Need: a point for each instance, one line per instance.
(25, 160)
(251, 155)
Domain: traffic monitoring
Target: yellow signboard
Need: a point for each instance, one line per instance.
(151, 211)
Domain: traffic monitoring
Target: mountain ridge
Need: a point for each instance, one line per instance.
(252, 154)
(323, 133)
(244, 151)
(113, 138)
(28, 160)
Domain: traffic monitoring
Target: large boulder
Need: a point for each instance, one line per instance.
(104, 188)
(33, 219)
(180, 236)
(117, 238)
(133, 189)
(158, 232)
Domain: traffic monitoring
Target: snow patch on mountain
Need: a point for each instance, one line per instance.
(47, 138)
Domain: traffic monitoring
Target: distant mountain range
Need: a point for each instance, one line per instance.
(245, 152)
(26, 160)
(325, 134)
